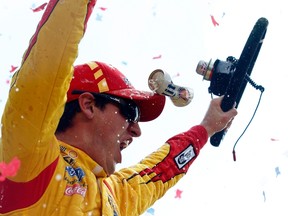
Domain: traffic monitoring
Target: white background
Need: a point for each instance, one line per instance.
(129, 33)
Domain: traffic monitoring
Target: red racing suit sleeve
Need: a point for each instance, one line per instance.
(138, 187)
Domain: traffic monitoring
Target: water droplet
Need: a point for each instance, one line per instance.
(58, 177)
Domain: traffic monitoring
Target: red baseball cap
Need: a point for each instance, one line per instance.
(99, 77)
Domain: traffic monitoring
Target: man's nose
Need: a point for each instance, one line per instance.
(134, 129)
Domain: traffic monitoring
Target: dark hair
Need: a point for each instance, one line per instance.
(70, 110)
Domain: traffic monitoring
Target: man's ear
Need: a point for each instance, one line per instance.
(87, 104)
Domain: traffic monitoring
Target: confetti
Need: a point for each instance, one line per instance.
(103, 8)
(151, 211)
(178, 194)
(124, 62)
(277, 171)
(274, 139)
(10, 169)
(40, 8)
(215, 23)
(176, 75)
(264, 196)
(99, 17)
(157, 57)
(13, 68)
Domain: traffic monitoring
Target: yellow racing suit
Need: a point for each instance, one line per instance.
(56, 178)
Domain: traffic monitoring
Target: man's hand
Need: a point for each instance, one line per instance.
(215, 119)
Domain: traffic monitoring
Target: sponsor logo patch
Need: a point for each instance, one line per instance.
(75, 189)
(112, 204)
(184, 157)
(75, 172)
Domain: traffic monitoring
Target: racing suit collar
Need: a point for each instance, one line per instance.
(75, 156)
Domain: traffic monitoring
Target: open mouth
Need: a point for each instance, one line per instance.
(124, 144)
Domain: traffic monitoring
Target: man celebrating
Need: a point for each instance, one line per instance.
(68, 126)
